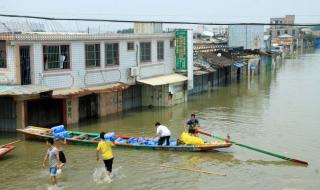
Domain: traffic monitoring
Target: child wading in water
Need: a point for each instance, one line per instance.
(59, 145)
(106, 151)
(53, 157)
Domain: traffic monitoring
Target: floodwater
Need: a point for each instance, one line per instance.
(279, 111)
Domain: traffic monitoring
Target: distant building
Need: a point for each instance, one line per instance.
(246, 36)
(278, 30)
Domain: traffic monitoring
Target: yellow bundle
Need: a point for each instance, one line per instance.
(191, 140)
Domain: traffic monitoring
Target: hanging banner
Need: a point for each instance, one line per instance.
(181, 50)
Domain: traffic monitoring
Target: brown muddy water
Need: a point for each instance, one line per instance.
(278, 111)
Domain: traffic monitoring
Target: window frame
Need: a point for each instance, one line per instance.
(172, 43)
(68, 60)
(158, 51)
(132, 46)
(96, 60)
(106, 54)
(145, 61)
(4, 53)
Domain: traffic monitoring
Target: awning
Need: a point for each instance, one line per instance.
(69, 93)
(76, 92)
(239, 65)
(108, 88)
(162, 80)
(16, 90)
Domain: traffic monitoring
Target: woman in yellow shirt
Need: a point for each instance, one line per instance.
(106, 152)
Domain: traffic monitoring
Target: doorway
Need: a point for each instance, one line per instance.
(25, 69)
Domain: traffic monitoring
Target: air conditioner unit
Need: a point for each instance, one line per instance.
(134, 71)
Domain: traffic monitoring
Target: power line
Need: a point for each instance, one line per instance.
(146, 21)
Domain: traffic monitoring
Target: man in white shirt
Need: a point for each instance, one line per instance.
(164, 133)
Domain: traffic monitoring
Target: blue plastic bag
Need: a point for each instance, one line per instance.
(132, 141)
(120, 140)
(141, 140)
(61, 135)
(110, 136)
(57, 129)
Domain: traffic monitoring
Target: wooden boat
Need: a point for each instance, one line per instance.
(93, 139)
(4, 149)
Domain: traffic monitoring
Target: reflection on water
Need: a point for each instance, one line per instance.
(277, 111)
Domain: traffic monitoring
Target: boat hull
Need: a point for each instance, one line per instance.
(5, 149)
(92, 139)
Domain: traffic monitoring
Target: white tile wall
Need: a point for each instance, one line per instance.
(7, 75)
(79, 76)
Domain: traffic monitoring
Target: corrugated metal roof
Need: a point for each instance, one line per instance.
(166, 79)
(16, 90)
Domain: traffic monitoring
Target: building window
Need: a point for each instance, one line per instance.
(145, 51)
(130, 46)
(160, 50)
(112, 54)
(293, 32)
(3, 60)
(171, 43)
(92, 55)
(56, 57)
(286, 31)
(278, 33)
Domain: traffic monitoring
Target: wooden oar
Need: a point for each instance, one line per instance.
(257, 149)
(10, 143)
(193, 170)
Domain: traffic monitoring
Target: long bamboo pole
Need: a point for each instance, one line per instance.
(10, 143)
(257, 149)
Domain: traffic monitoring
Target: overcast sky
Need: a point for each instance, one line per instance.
(225, 11)
(306, 11)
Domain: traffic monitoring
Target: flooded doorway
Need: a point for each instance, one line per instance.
(44, 112)
(88, 106)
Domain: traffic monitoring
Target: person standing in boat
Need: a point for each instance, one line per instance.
(59, 145)
(192, 125)
(105, 147)
(164, 133)
(53, 156)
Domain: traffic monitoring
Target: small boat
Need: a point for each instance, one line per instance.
(4, 149)
(39, 133)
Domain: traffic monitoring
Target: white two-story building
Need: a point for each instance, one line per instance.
(61, 78)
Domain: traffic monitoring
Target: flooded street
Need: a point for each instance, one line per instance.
(278, 111)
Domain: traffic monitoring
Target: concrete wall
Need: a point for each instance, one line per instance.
(20, 120)
(110, 103)
(158, 96)
(72, 110)
(247, 36)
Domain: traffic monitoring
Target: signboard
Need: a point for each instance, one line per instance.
(69, 108)
(181, 50)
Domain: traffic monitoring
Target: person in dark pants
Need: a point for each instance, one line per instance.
(105, 147)
(164, 133)
(192, 125)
